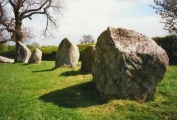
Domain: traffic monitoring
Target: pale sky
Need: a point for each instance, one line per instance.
(84, 17)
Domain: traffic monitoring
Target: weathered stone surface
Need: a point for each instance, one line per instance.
(88, 57)
(36, 56)
(67, 54)
(6, 60)
(23, 53)
(128, 65)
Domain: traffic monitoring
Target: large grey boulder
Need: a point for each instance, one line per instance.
(36, 56)
(6, 60)
(67, 54)
(88, 57)
(128, 65)
(23, 53)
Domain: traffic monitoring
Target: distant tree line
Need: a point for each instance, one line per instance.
(49, 52)
(168, 43)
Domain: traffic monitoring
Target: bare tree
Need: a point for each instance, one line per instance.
(86, 39)
(14, 12)
(167, 9)
(35, 44)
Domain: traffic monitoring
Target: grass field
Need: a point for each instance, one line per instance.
(36, 92)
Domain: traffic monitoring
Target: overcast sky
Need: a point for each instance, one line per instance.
(84, 17)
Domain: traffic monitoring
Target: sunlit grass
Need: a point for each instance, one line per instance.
(37, 91)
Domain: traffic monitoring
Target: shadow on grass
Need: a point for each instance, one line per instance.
(74, 73)
(82, 95)
(47, 70)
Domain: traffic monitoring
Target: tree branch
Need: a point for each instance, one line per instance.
(5, 41)
(167, 9)
(33, 10)
(13, 5)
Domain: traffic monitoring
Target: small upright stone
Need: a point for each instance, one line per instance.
(128, 65)
(23, 53)
(36, 56)
(88, 57)
(67, 54)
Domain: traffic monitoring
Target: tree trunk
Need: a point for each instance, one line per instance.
(18, 36)
(17, 52)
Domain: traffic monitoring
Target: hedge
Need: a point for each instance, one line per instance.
(169, 44)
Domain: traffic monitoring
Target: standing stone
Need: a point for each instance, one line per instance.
(36, 56)
(128, 65)
(88, 57)
(24, 53)
(6, 60)
(67, 54)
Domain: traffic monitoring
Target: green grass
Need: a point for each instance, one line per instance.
(37, 92)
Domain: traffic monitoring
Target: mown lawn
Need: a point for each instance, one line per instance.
(37, 92)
